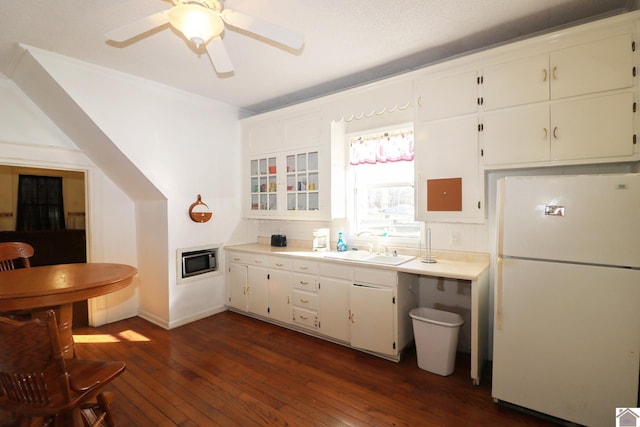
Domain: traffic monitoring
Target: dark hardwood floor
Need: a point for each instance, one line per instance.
(231, 370)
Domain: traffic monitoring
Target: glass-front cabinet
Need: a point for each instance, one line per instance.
(302, 182)
(286, 185)
(264, 184)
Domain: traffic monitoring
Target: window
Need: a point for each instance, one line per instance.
(40, 205)
(381, 165)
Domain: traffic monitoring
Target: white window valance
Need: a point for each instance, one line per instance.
(385, 147)
(375, 100)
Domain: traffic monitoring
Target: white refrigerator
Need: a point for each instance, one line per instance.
(567, 295)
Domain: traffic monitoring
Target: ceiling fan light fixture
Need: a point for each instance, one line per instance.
(197, 22)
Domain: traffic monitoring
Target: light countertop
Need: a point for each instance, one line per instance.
(455, 265)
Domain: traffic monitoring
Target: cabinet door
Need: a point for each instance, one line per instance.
(263, 184)
(516, 135)
(237, 286)
(372, 322)
(280, 295)
(447, 96)
(258, 291)
(596, 127)
(449, 149)
(303, 183)
(592, 67)
(334, 308)
(517, 82)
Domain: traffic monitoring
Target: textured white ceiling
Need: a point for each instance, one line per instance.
(347, 42)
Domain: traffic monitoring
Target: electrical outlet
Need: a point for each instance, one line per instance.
(454, 238)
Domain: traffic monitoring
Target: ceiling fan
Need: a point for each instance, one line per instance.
(202, 23)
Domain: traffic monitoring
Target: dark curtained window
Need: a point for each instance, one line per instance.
(40, 204)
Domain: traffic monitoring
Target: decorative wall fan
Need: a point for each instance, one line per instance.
(202, 23)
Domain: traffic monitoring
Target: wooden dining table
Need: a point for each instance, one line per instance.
(57, 287)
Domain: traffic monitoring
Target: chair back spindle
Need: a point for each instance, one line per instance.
(10, 252)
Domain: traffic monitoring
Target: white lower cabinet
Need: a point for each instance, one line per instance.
(248, 283)
(365, 308)
(372, 318)
(237, 286)
(305, 294)
(258, 290)
(280, 289)
(335, 282)
(374, 310)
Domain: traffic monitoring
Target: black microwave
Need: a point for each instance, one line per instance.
(199, 262)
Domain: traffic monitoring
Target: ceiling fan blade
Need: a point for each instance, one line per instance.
(138, 27)
(263, 28)
(219, 56)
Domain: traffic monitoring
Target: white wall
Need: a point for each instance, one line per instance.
(184, 145)
(29, 138)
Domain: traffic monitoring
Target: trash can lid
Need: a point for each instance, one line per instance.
(438, 317)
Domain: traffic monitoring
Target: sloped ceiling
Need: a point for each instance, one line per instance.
(347, 42)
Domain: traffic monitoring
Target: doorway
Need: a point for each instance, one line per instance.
(55, 246)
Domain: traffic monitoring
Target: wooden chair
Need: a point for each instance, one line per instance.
(37, 383)
(10, 252)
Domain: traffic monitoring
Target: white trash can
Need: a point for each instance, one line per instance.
(436, 335)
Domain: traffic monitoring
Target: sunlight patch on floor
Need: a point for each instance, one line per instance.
(127, 335)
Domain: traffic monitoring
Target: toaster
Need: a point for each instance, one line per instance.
(279, 240)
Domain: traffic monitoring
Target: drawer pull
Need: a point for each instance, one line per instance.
(257, 261)
(303, 267)
(304, 301)
(303, 317)
(303, 282)
(235, 258)
(279, 264)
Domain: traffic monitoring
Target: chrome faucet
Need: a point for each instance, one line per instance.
(369, 243)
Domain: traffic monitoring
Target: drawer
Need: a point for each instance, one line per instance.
(306, 282)
(336, 270)
(305, 318)
(248, 258)
(375, 276)
(306, 300)
(304, 266)
(280, 263)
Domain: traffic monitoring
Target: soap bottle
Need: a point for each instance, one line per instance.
(341, 246)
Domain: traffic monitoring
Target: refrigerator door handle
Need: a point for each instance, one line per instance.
(554, 210)
(498, 290)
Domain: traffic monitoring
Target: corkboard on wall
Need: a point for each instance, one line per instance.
(444, 194)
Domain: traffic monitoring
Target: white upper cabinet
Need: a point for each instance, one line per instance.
(516, 135)
(448, 149)
(592, 128)
(287, 167)
(446, 96)
(573, 129)
(591, 67)
(516, 82)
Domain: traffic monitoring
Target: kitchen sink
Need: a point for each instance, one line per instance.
(362, 256)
